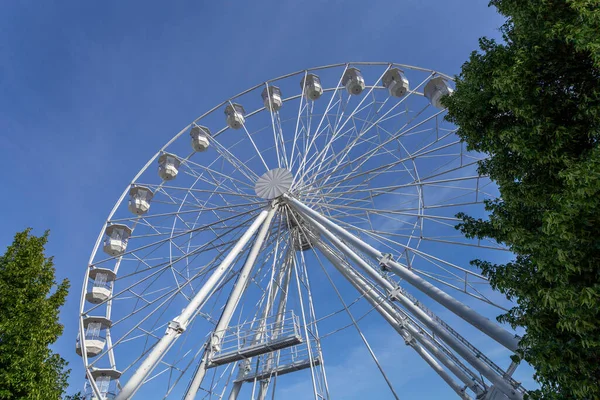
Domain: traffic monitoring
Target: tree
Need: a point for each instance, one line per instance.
(532, 103)
(29, 305)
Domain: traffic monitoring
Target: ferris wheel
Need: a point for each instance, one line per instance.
(282, 219)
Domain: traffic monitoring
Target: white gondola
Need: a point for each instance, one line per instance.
(168, 166)
(107, 383)
(272, 98)
(95, 335)
(353, 81)
(312, 86)
(435, 89)
(117, 236)
(139, 199)
(101, 289)
(235, 115)
(200, 135)
(396, 82)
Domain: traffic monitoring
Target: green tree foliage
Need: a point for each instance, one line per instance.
(532, 103)
(29, 304)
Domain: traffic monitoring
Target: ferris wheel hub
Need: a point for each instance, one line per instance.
(273, 183)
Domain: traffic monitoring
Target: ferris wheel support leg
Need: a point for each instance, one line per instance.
(409, 335)
(230, 306)
(459, 390)
(178, 325)
(264, 385)
(435, 326)
(502, 336)
(283, 284)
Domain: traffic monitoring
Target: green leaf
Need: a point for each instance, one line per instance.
(532, 103)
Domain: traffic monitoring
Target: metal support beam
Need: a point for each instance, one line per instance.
(285, 277)
(230, 306)
(408, 333)
(178, 325)
(459, 390)
(435, 326)
(502, 336)
(264, 384)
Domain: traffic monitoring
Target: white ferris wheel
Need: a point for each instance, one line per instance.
(303, 207)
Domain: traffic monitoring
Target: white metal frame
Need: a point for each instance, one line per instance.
(373, 176)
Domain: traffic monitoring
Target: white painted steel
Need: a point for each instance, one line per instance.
(463, 351)
(230, 306)
(179, 323)
(404, 327)
(505, 338)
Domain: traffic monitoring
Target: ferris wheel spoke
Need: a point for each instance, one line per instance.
(316, 168)
(199, 170)
(253, 144)
(333, 212)
(302, 105)
(198, 191)
(234, 161)
(309, 139)
(369, 174)
(338, 128)
(277, 133)
(305, 323)
(166, 299)
(346, 151)
(360, 161)
(168, 265)
(307, 136)
(439, 204)
(156, 274)
(314, 137)
(218, 183)
(436, 218)
(199, 229)
(282, 141)
(333, 195)
(393, 164)
(445, 239)
(414, 183)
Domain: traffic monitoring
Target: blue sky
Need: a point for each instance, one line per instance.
(90, 90)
